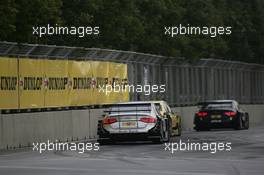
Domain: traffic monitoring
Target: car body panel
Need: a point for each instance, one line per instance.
(129, 124)
(166, 112)
(128, 118)
(220, 114)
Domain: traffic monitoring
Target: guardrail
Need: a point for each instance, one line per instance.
(186, 83)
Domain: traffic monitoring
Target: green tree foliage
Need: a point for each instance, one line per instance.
(138, 25)
(8, 14)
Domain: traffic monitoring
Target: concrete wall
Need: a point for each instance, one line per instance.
(24, 129)
(187, 114)
(256, 114)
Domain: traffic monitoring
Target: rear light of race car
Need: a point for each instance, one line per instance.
(230, 113)
(148, 120)
(202, 114)
(108, 121)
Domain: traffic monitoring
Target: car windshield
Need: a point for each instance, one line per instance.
(142, 108)
(216, 105)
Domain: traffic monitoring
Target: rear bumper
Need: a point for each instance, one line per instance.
(207, 123)
(149, 135)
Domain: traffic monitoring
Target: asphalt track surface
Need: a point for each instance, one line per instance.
(143, 158)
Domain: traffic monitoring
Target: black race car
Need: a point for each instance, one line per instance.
(220, 114)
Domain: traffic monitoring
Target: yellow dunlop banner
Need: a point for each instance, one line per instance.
(80, 83)
(118, 78)
(56, 83)
(31, 87)
(40, 83)
(110, 79)
(100, 82)
(8, 83)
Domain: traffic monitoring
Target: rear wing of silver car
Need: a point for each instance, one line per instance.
(129, 108)
(120, 111)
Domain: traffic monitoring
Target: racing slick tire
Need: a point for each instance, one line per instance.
(246, 124)
(239, 124)
(164, 135)
(179, 129)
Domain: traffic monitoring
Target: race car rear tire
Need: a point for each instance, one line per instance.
(179, 130)
(164, 135)
(239, 124)
(246, 125)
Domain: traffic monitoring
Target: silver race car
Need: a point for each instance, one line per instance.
(133, 121)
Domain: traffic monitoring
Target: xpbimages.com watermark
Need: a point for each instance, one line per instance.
(80, 147)
(80, 31)
(212, 31)
(146, 89)
(212, 147)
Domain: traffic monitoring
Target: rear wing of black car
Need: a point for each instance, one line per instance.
(215, 104)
